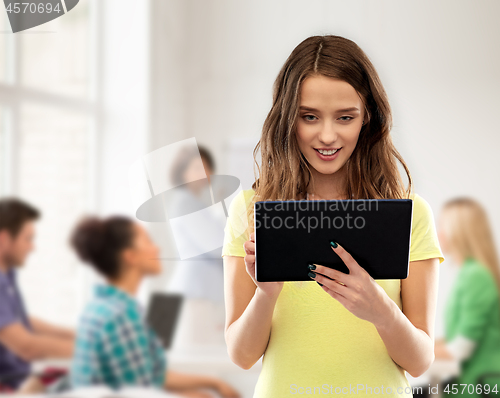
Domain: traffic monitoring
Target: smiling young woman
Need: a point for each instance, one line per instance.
(327, 136)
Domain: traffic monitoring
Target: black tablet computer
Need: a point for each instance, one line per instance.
(162, 315)
(289, 235)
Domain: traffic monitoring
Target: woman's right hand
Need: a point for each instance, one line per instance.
(272, 289)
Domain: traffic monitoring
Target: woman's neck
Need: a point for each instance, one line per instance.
(455, 257)
(327, 186)
(459, 260)
(129, 283)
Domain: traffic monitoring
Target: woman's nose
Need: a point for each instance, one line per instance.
(328, 134)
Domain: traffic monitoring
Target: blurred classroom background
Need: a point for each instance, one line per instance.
(85, 96)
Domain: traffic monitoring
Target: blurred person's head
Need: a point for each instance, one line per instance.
(17, 231)
(464, 232)
(116, 247)
(192, 164)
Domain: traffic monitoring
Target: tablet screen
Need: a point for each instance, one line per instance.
(289, 235)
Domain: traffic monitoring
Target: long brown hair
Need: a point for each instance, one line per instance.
(372, 171)
(469, 234)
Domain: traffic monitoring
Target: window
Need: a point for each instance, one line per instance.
(48, 122)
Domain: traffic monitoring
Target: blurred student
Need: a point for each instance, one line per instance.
(23, 339)
(114, 345)
(472, 312)
(200, 279)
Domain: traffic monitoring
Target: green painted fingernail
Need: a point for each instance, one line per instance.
(311, 266)
(333, 244)
(319, 283)
(312, 274)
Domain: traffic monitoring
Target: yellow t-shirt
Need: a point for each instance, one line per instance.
(316, 345)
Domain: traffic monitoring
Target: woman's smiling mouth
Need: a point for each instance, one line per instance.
(327, 154)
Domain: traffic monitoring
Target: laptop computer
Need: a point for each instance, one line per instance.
(162, 316)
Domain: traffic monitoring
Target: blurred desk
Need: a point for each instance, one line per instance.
(38, 366)
(203, 360)
(103, 392)
(215, 361)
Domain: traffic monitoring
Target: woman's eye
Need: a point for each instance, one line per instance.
(312, 118)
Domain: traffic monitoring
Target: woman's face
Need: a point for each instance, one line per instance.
(330, 118)
(144, 252)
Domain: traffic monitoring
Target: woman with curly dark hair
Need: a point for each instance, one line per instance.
(114, 345)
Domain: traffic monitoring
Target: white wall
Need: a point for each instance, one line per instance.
(125, 99)
(122, 94)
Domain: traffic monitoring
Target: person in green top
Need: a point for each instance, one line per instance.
(472, 311)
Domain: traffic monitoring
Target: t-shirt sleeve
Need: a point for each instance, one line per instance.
(424, 239)
(235, 231)
(7, 314)
(479, 295)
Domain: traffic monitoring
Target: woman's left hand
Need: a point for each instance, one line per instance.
(357, 291)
